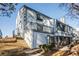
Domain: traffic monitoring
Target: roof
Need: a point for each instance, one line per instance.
(36, 11)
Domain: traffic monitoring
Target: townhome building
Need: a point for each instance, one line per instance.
(38, 29)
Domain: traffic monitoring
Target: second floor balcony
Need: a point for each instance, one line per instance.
(62, 33)
(40, 28)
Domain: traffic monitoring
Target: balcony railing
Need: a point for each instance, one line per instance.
(41, 27)
(61, 33)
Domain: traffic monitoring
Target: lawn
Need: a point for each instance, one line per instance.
(20, 43)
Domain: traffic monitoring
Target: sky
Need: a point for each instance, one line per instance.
(7, 25)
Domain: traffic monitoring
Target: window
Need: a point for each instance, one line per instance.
(63, 28)
(46, 29)
(31, 14)
(38, 18)
(30, 17)
(25, 20)
(66, 29)
(20, 22)
(60, 26)
(52, 30)
(39, 27)
(24, 16)
(34, 26)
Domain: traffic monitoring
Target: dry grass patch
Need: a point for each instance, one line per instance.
(9, 47)
(20, 43)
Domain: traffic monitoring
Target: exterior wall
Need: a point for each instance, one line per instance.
(20, 23)
(31, 20)
(34, 39)
(39, 39)
(31, 16)
(28, 37)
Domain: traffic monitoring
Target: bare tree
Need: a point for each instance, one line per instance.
(71, 8)
(72, 12)
(6, 9)
(0, 34)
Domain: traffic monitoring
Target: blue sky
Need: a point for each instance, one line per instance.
(7, 25)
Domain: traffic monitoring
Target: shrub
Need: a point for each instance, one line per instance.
(46, 47)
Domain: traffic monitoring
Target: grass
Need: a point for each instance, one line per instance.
(20, 43)
(12, 47)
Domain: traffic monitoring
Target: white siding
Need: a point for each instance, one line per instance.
(31, 16)
(39, 39)
(28, 37)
